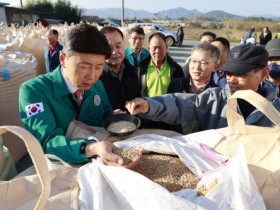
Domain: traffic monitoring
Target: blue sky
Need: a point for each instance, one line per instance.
(238, 7)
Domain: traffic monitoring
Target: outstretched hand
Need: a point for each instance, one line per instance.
(104, 150)
(137, 105)
(133, 163)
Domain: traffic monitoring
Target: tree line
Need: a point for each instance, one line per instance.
(60, 10)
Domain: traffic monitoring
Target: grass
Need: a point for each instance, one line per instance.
(194, 34)
(234, 33)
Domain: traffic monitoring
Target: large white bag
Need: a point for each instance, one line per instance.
(106, 187)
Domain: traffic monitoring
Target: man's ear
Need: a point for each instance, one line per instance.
(62, 58)
(264, 74)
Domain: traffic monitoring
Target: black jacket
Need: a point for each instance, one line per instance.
(265, 39)
(175, 68)
(121, 91)
(182, 85)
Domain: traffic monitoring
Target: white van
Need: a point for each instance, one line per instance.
(171, 37)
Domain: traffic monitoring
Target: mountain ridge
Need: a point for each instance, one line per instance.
(174, 13)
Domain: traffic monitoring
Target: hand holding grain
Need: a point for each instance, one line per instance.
(130, 157)
(103, 150)
(137, 105)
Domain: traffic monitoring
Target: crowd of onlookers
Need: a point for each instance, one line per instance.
(92, 75)
(251, 36)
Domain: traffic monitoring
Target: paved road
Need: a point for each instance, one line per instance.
(180, 54)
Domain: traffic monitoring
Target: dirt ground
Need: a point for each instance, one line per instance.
(194, 33)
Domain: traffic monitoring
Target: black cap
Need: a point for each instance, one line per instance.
(245, 58)
(273, 48)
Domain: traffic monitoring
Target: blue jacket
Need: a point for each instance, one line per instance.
(47, 107)
(52, 61)
(182, 85)
(220, 81)
(129, 55)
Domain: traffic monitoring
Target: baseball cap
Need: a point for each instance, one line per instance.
(273, 47)
(245, 58)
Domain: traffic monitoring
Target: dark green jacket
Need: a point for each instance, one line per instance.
(47, 107)
(129, 55)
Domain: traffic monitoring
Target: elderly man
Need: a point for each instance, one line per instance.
(246, 68)
(48, 103)
(52, 50)
(203, 62)
(119, 77)
(159, 69)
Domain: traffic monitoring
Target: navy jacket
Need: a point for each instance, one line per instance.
(52, 62)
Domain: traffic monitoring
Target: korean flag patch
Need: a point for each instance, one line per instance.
(33, 109)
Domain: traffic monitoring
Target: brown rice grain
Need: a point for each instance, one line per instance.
(167, 170)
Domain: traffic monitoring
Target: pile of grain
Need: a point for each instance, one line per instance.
(121, 127)
(203, 189)
(168, 171)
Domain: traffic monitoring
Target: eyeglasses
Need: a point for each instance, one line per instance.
(137, 38)
(240, 77)
(201, 63)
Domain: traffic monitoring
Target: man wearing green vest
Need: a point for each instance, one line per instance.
(156, 73)
(277, 36)
(158, 69)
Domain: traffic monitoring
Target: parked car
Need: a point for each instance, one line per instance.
(171, 37)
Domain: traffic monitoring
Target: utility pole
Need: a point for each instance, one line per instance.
(21, 4)
(122, 15)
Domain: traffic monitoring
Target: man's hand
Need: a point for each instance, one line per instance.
(133, 163)
(137, 105)
(104, 150)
